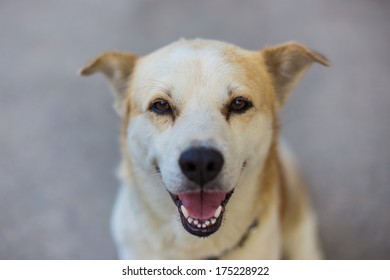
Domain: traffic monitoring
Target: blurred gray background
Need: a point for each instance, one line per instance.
(59, 133)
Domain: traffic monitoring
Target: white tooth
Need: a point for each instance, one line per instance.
(203, 225)
(184, 211)
(190, 220)
(213, 221)
(218, 212)
(207, 222)
(199, 225)
(196, 222)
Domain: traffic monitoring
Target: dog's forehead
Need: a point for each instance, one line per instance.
(184, 51)
(200, 66)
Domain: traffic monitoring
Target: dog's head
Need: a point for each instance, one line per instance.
(200, 114)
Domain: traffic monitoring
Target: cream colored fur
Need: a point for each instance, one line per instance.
(199, 78)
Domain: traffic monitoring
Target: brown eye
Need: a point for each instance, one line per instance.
(239, 105)
(161, 107)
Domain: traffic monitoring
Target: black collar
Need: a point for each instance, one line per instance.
(239, 244)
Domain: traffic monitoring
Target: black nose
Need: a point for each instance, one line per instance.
(201, 165)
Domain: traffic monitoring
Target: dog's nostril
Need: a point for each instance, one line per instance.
(189, 166)
(210, 166)
(201, 165)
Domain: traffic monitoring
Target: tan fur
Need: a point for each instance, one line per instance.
(200, 78)
(117, 67)
(287, 64)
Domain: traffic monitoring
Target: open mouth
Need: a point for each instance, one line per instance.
(201, 212)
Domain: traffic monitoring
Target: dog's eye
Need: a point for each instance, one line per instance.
(161, 107)
(239, 105)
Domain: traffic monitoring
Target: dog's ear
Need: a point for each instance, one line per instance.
(117, 67)
(287, 63)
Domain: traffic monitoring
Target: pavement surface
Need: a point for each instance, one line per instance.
(59, 133)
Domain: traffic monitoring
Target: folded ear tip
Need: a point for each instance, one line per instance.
(80, 72)
(316, 56)
(85, 71)
(327, 62)
(320, 58)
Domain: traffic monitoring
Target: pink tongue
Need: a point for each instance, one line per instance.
(202, 205)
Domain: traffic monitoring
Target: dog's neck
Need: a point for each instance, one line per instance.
(241, 243)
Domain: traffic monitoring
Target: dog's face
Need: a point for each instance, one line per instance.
(205, 113)
(201, 113)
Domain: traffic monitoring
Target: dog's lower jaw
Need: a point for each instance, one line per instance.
(201, 227)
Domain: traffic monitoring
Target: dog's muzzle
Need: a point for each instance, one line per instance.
(201, 211)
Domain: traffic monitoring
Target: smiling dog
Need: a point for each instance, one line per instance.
(201, 155)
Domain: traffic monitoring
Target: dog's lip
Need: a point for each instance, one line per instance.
(213, 224)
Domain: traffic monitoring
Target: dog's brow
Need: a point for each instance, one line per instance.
(165, 88)
(231, 90)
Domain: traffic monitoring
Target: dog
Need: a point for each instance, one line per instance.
(203, 172)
